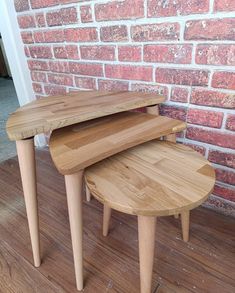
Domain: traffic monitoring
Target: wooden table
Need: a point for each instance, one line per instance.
(52, 113)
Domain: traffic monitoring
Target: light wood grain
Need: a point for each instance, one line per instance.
(75, 147)
(26, 155)
(156, 178)
(51, 113)
(185, 225)
(146, 232)
(73, 185)
(106, 219)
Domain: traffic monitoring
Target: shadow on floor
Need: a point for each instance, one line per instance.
(8, 104)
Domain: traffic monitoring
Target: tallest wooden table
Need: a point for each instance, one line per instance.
(51, 113)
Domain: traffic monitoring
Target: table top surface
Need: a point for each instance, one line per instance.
(78, 146)
(55, 112)
(157, 178)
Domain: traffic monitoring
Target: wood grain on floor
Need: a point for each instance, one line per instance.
(205, 264)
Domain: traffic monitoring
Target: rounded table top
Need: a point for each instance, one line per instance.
(157, 178)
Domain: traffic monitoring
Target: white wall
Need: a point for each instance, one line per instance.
(16, 57)
(15, 52)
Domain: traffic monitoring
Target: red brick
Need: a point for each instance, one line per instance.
(69, 15)
(21, 5)
(40, 19)
(66, 52)
(54, 18)
(40, 52)
(27, 37)
(38, 65)
(38, 37)
(116, 10)
(155, 32)
(206, 118)
(49, 36)
(97, 52)
(54, 36)
(179, 113)
(43, 3)
(129, 72)
(129, 53)
(158, 8)
(215, 54)
(210, 29)
(179, 94)
(87, 34)
(225, 176)
(168, 53)
(230, 123)
(116, 33)
(212, 137)
(62, 16)
(53, 90)
(85, 82)
(86, 13)
(221, 158)
(26, 21)
(59, 66)
(72, 52)
(224, 192)
(112, 85)
(150, 88)
(60, 52)
(200, 149)
(38, 76)
(224, 79)
(182, 76)
(212, 98)
(86, 69)
(224, 5)
(60, 79)
(37, 88)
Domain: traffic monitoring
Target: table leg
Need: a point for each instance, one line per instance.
(170, 137)
(74, 198)
(153, 110)
(146, 231)
(185, 225)
(88, 194)
(106, 219)
(26, 158)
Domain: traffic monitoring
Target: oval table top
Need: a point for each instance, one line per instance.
(157, 178)
(55, 112)
(78, 146)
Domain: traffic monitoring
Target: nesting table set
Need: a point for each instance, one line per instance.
(131, 161)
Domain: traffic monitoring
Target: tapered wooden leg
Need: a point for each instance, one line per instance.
(153, 110)
(88, 194)
(26, 157)
(106, 219)
(146, 230)
(170, 137)
(185, 225)
(74, 198)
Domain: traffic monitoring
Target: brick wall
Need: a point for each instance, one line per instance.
(183, 49)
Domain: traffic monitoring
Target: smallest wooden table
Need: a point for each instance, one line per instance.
(153, 179)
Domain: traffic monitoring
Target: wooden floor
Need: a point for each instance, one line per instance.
(205, 264)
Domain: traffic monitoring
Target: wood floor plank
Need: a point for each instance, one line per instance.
(205, 264)
(17, 275)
